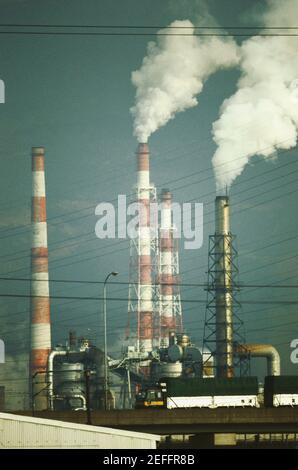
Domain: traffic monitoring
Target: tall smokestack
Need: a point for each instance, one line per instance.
(40, 302)
(167, 278)
(145, 310)
(223, 288)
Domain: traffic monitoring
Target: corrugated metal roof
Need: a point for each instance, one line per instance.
(27, 432)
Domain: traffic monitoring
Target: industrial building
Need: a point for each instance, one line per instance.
(21, 432)
(75, 376)
(160, 367)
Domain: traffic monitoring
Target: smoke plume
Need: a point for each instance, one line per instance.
(173, 73)
(262, 116)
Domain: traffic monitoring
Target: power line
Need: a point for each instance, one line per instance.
(142, 34)
(182, 284)
(115, 199)
(205, 223)
(102, 26)
(125, 299)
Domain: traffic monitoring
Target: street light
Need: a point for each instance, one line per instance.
(113, 273)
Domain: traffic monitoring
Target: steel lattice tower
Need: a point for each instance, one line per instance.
(143, 261)
(223, 328)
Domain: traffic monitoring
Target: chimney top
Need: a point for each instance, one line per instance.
(143, 148)
(38, 150)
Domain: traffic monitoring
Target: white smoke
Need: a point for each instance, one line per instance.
(173, 73)
(262, 116)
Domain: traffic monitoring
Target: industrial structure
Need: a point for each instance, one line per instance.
(223, 329)
(75, 374)
(40, 301)
(154, 296)
(170, 311)
(143, 250)
(20, 432)
(222, 322)
(71, 377)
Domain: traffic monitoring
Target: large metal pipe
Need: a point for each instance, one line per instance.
(262, 350)
(50, 374)
(40, 302)
(223, 288)
(145, 310)
(167, 319)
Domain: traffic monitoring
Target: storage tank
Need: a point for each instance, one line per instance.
(69, 384)
(166, 369)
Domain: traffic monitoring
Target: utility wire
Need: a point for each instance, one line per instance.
(125, 299)
(102, 26)
(182, 284)
(115, 199)
(143, 34)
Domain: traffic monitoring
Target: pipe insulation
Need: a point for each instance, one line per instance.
(267, 351)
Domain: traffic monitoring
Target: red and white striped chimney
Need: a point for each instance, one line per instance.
(167, 277)
(145, 310)
(40, 302)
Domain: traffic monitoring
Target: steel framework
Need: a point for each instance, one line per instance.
(223, 333)
(134, 290)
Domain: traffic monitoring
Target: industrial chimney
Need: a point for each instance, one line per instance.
(223, 288)
(170, 302)
(40, 302)
(145, 308)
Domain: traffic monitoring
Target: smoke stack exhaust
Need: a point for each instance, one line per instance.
(223, 288)
(40, 302)
(145, 308)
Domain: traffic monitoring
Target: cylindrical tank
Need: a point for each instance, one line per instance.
(168, 369)
(175, 353)
(67, 372)
(69, 383)
(193, 354)
(183, 340)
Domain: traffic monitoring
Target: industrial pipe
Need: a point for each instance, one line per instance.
(262, 350)
(76, 395)
(50, 380)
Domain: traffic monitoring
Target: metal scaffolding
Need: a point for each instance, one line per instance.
(134, 290)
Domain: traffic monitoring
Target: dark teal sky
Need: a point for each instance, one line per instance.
(72, 95)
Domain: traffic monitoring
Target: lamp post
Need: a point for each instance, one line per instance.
(113, 273)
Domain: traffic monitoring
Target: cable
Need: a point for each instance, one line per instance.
(101, 26)
(205, 223)
(166, 183)
(205, 285)
(143, 34)
(107, 252)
